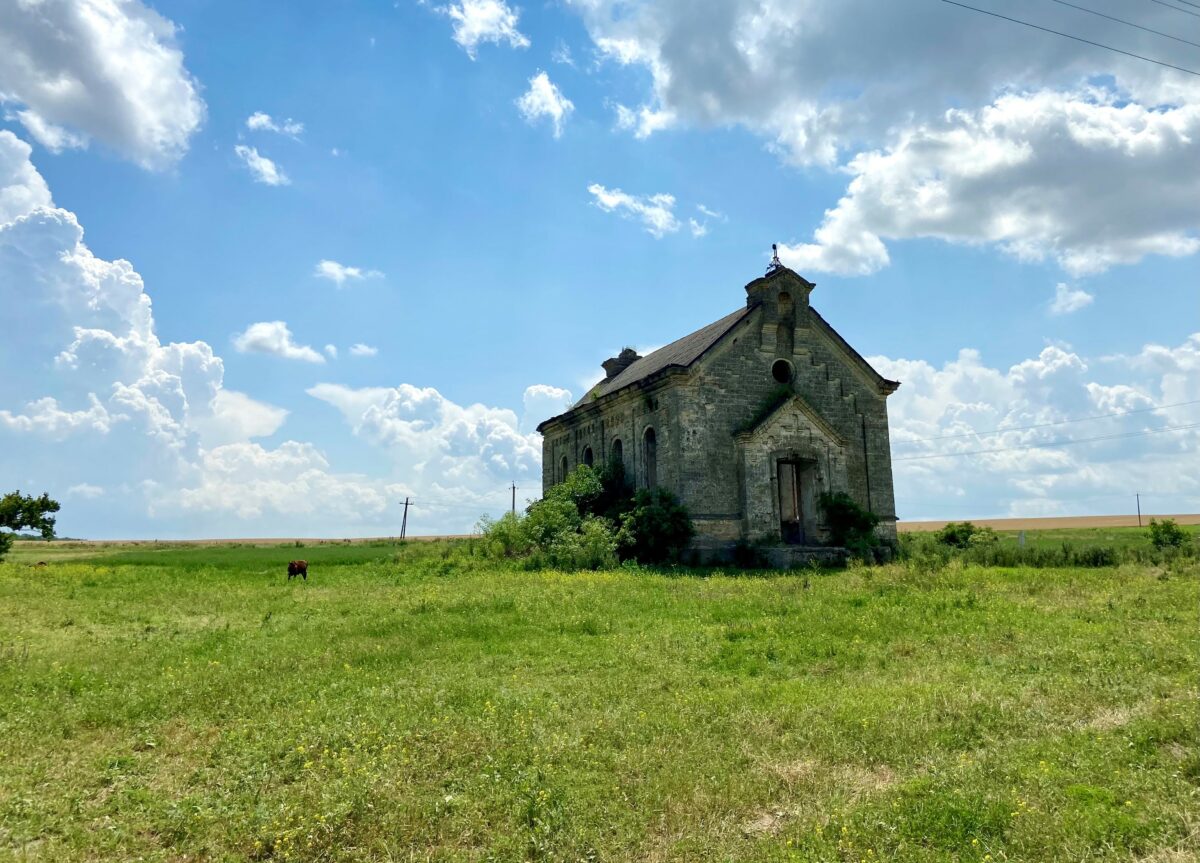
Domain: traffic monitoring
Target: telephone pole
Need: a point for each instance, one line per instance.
(404, 521)
(1139, 506)
(514, 503)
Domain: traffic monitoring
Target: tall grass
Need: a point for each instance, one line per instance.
(413, 702)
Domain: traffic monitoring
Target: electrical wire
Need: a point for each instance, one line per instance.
(1076, 38)
(1176, 8)
(1048, 444)
(1048, 425)
(1126, 23)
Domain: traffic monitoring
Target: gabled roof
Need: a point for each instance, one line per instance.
(682, 353)
(888, 387)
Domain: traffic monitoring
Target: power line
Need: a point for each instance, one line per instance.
(1076, 38)
(1189, 3)
(1126, 23)
(1048, 425)
(1176, 8)
(1056, 443)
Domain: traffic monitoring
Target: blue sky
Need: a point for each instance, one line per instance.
(1006, 221)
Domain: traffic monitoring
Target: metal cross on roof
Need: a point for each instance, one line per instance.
(775, 262)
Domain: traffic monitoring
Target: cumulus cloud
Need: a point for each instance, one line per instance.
(53, 138)
(479, 21)
(1068, 299)
(476, 441)
(1078, 177)
(655, 212)
(176, 451)
(274, 338)
(542, 401)
(331, 351)
(339, 274)
(361, 350)
(543, 99)
(104, 69)
(1054, 149)
(261, 168)
(950, 462)
(262, 122)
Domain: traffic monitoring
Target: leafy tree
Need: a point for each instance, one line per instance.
(1166, 534)
(20, 512)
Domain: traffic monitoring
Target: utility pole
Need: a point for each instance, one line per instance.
(514, 504)
(404, 521)
(1139, 505)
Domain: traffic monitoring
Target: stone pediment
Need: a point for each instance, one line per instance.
(789, 409)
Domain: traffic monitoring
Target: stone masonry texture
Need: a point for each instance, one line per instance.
(776, 391)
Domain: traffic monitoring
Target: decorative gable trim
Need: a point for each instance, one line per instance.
(807, 411)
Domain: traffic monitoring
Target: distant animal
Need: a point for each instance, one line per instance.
(298, 567)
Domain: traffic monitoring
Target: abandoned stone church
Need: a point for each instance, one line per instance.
(747, 420)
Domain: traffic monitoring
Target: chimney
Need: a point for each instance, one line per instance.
(614, 366)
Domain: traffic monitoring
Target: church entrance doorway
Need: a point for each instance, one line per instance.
(797, 501)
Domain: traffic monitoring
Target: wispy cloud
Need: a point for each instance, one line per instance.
(262, 122)
(261, 168)
(655, 212)
(339, 274)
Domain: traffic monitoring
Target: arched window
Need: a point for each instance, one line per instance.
(587, 456)
(650, 457)
(618, 451)
(562, 474)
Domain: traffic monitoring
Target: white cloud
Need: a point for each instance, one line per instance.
(953, 409)
(542, 401)
(698, 229)
(644, 121)
(156, 427)
(1068, 299)
(274, 338)
(339, 274)
(562, 54)
(478, 21)
(1033, 174)
(235, 416)
(1037, 158)
(361, 350)
(331, 351)
(655, 212)
(543, 99)
(85, 491)
(53, 138)
(104, 69)
(441, 442)
(263, 169)
(262, 122)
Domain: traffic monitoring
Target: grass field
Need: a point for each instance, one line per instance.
(416, 703)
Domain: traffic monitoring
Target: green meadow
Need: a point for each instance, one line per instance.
(418, 702)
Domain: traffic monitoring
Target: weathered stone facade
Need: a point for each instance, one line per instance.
(747, 420)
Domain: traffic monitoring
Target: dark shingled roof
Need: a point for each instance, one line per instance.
(681, 353)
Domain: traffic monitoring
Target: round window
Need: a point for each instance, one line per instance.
(781, 370)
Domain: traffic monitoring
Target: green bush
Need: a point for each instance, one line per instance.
(1166, 534)
(957, 534)
(6, 541)
(656, 529)
(850, 525)
(575, 526)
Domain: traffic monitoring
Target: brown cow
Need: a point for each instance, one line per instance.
(298, 567)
